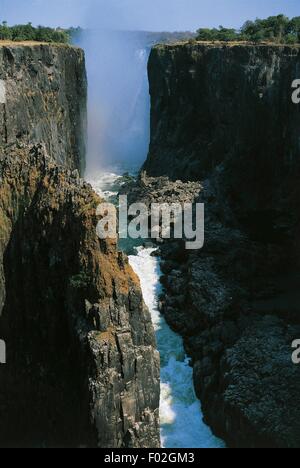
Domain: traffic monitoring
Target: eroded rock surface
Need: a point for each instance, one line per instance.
(148, 190)
(43, 92)
(82, 367)
(81, 362)
(222, 115)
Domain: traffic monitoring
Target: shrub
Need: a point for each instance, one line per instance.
(276, 29)
(27, 32)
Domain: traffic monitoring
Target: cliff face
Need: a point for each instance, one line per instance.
(82, 369)
(223, 115)
(43, 99)
(215, 105)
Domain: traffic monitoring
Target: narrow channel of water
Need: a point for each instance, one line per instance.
(181, 417)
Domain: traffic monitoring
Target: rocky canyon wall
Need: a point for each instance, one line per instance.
(218, 106)
(222, 114)
(43, 92)
(82, 367)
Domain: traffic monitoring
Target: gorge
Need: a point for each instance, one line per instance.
(222, 114)
(82, 362)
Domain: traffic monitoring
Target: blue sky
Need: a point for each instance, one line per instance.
(143, 14)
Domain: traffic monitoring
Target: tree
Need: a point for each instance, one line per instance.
(274, 29)
(258, 37)
(5, 32)
(227, 35)
(221, 34)
(291, 39)
(22, 32)
(278, 29)
(249, 29)
(28, 32)
(206, 34)
(279, 25)
(294, 27)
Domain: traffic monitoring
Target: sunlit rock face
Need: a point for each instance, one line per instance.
(81, 362)
(43, 93)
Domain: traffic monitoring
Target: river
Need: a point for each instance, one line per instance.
(181, 417)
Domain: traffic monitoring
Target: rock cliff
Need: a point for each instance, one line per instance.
(223, 115)
(211, 103)
(43, 93)
(82, 368)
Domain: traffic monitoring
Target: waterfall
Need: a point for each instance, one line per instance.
(118, 98)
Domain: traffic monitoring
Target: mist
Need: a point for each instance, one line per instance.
(118, 99)
(118, 103)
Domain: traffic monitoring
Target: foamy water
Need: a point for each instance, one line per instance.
(181, 418)
(103, 183)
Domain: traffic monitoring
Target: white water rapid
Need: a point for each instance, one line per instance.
(181, 418)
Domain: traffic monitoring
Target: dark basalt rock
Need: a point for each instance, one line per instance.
(148, 190)
(46, 94)
(82, 367)
(223, 115)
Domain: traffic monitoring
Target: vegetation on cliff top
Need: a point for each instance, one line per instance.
(275, 29)
(28, 32)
